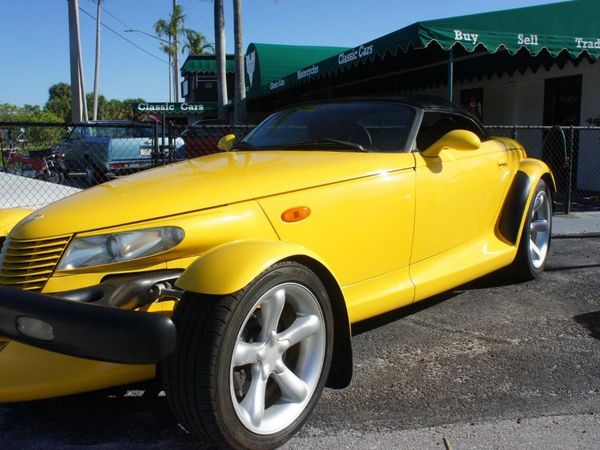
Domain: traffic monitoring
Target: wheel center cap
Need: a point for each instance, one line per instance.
(270, 355)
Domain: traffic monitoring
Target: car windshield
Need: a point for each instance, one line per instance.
(348, 126)
(113, 132)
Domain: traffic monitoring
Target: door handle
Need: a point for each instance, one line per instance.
(502, 163)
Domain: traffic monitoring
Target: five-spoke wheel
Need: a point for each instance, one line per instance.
(249, 367)
(535, 239)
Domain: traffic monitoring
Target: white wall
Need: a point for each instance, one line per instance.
(519, 100)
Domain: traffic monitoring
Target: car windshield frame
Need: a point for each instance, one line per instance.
(377, 126)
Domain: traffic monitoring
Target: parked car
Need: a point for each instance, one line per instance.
(101, 150)
(238, 275)
(202, 137)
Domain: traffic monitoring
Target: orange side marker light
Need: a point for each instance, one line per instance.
(295, 214)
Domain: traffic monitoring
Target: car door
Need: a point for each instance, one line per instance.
(459, 192)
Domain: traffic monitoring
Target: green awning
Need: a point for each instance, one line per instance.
(572, 26)
(268, 62)
(205, 64)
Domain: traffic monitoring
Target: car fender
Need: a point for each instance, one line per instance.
(229, 267)
(10, 217)
(519, 196)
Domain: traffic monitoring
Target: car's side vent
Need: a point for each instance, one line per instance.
(27, 264)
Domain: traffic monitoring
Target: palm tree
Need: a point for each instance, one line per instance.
(220, 58)
(240, 80)
(172, 29)
(197, 44)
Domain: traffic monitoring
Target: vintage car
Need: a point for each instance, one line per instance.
(237, 276)
(102, 149)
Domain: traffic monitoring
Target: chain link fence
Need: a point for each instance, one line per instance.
(573, 155)
(43, 162)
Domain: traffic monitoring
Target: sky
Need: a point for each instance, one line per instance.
(34, 46)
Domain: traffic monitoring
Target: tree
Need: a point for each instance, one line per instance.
(36, 138)
(172, 29)
(59, 105)
(59, 101)
(240, 80)
(220, 59)
(197, 43)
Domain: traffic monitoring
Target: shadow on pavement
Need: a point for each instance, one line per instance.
(591, 322)
(105, 419)
(583, 266)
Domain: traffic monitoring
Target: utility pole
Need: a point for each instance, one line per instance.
(78, 102)
(170, 73)
(220, 58)
(97, 70)
(175, 60)
(240, 78)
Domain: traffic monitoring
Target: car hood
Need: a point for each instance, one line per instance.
(201, 183)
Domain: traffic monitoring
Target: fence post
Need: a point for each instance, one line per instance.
(514, 132)
(570, 163)
(155, 147)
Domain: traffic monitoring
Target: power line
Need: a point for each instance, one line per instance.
(127, 25)
(200, 16)
(115, 17)
(123, 37)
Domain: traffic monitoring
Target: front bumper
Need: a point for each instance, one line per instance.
(97, 331)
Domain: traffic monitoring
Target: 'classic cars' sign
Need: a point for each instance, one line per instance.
(172, 108)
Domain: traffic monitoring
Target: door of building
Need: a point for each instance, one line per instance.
(562, 106)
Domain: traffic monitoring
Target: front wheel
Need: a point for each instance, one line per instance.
(535, 238)
(249, 367)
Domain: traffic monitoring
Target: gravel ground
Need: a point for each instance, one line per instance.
(489, 365)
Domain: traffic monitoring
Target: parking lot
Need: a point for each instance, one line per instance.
(491, 364)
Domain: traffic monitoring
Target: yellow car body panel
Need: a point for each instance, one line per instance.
(230, 267)
(365, 215)
(459, 192)
(29, 373)
(208, 182)
(10, 217)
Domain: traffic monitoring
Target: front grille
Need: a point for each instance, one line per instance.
(27, 264)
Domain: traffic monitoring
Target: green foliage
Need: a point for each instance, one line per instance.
(35, 138)
(59, 103)
(197, 44)
(170, 29)
(56, 109)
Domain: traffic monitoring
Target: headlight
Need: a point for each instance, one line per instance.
(118, 247)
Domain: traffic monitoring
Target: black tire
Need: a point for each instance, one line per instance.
(208, 390)
(531, 258)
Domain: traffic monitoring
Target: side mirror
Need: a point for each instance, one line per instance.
(456, 140)
(226, 142)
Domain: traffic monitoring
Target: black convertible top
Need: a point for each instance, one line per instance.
(425, 102)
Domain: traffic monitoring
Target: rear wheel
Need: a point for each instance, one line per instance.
(249, 367)
(535, 239)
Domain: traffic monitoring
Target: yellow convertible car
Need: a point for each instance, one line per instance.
(235, 278)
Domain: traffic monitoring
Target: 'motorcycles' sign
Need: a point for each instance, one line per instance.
(173, 108)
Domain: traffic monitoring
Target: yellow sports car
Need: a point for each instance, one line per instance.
(237, 276)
